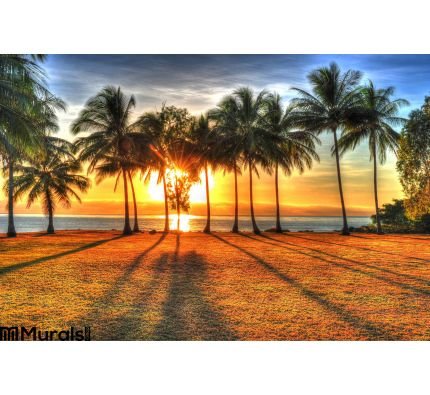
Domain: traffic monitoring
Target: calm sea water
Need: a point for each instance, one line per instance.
(34, 223)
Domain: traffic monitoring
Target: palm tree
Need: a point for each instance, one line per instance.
(52, 179)
(22, 82)
(26, 109)
(107, 115)
(152, 125)
(292, 149)
(228, 147)
(136, 221)
(112, 166)
(375, 122)
(254, 138)
(335, 96)
(205, 139)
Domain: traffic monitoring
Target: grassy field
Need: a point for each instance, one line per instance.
(297, 286)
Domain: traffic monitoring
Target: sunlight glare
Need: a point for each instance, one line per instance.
(198, 190)
(184, 224)
(155, 190)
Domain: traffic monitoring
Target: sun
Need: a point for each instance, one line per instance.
(197, 191)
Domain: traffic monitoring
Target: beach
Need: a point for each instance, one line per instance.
(193, 286)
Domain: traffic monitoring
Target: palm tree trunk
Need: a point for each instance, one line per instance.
(236, 203)
(11, 226)
(254, 224)
(178, 207)
(166, 206)
(136, 222)
(345, 230)
(207, 228)
(375, 187)
(278, 215)
(178, 213)
(50, 229)
(127, 228)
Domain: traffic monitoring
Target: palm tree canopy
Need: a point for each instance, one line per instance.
(375, 121)
(335, 96)
(252, 138)
(52, 179)
(228, 140)
(107, 116)
(292, 149)
(204, 136)
(27, 108)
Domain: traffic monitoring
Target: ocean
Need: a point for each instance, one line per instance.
(36, 223)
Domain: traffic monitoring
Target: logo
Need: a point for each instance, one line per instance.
(15, 333)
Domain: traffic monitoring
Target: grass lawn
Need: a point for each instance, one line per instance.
(192, 286)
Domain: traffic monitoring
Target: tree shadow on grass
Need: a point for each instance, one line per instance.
(187, 312)
(22, 265)
(107, 300)
(352, 246)
(425, 238)
(404, 276)
(128, 325)
(371, 330)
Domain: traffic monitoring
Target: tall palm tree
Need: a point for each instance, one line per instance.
(26, 109)
(228, 148)
(113, 166)
(335, 96)
(107, 116)
(53, 179)
(136, 221)
(254, 138)
(292, 149)
(153, 125)
(205, 139)
(375, 122)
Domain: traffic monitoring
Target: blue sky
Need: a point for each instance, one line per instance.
(198, 82)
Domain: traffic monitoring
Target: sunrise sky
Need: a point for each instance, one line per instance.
(198, 83)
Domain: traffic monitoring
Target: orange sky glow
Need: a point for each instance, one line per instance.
(312, 193)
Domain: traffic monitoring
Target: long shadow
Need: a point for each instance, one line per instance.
(108, 298)
(368, 265)
(187, 312)
(137, 262)
(355, 247)
(394, 241)
(21, 265)
(127, 326)
(371, 330)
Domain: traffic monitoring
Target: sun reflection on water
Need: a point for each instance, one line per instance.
(184, 222)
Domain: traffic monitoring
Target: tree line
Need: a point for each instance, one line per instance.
(246, 130)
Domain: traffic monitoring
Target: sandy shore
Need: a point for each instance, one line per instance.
(296, 286)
